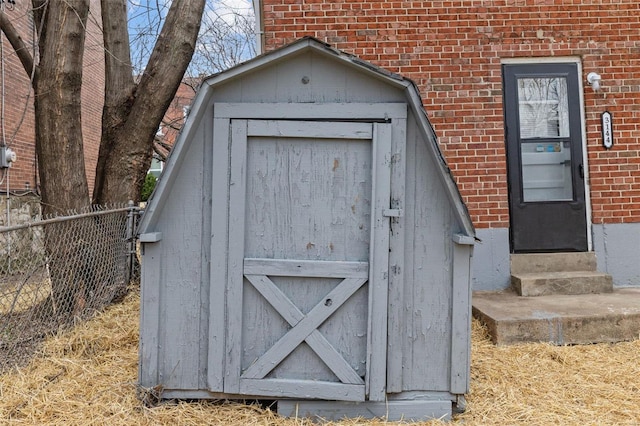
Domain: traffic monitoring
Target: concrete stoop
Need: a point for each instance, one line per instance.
(542, 274)
(573, 303)
(560, 319)
(569, 282)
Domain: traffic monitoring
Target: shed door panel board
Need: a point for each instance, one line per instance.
(309, 199)
(301, 291)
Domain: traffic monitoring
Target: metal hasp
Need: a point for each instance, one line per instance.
(392, 213)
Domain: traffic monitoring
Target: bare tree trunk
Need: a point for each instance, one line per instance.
(133, 113)
(57, 86)
(59, 146)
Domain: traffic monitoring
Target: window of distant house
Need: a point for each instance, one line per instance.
(156, 167)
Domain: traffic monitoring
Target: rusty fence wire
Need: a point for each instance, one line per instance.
(61, 270)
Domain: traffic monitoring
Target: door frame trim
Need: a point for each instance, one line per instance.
(585, 161)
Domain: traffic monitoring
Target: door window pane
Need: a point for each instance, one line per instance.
(546, 163)
(543, 107)
(546, 171)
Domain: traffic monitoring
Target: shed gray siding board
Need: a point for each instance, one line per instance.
(181, 224)
(461, 319)
(396, 258)
(441, 169)
(282, 83)
(428, 288)
(408, 264)
(206, 195)
(150, 315)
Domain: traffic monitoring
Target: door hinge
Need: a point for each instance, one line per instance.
(392, 213)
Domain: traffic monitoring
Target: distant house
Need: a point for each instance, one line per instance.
(536, 106)
(172, 123)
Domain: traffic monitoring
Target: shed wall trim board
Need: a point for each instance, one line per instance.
(234, 288)
(289, 111)
(379, 264)
(150, 237)
(308, 242)
(219, 240)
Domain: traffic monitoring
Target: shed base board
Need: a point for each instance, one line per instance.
(415, 406)
(414, 410)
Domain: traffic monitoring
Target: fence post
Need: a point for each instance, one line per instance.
(131, 240)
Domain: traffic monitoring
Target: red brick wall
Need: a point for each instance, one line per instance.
(18, 121)
(18, 98)
(174, 117)
(92, 91)
(452, 50)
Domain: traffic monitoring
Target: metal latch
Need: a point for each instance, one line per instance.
(392, 213)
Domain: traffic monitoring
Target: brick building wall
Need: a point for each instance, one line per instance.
(92, 91)
(18, 123)
(18, 128)
(453, 51)
(174, 117)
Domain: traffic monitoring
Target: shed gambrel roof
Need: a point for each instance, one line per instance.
(205, 92)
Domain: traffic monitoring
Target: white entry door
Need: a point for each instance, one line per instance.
(308, 247)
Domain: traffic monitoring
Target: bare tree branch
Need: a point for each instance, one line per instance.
(22, 50)
(125, 153)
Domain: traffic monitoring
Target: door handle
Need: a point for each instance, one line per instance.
(581, 171)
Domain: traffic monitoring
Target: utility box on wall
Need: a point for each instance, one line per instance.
(307, 244)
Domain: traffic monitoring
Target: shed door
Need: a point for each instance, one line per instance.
(544, 151)
(308, 259)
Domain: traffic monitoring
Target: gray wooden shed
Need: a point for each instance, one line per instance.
(306, 243)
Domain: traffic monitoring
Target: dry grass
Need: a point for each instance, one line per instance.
(21, 295)
(88, 376)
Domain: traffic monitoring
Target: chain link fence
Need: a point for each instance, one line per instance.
(58, 271)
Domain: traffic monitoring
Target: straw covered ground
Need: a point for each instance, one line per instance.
(88, 376)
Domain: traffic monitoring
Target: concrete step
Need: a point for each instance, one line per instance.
(569, 282)
(528, 263)
(560, 319)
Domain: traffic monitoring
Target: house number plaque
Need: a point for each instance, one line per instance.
(607, 129)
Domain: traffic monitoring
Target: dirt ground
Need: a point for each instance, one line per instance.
(87, 376)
